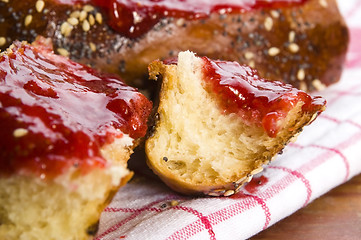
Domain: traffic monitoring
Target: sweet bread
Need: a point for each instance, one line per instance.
(66, 134)
(217, 123)
(298, 42)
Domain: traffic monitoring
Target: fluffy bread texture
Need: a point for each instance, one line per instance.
(196, 149)
(67, 207)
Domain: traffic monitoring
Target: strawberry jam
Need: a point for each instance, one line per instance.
(266, 103)
(55, 113)
(133, 18)
(255, 184)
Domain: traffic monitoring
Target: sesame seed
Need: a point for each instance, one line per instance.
(274, 158)
(242, 180)
(291, 36)
(86, 26)
(273, 51)
(323, 3)
(83, 15)
(93, 47)
(28, 20)
(314, 116)
(303, 86)
(2, 41)
(301, 74)
(257, 170)
(20, 132)
(268, 23)
(73, 21)
(39, 5)
(180, 22)
(217, 192)
(65, 29)
(228, 193)
(275, 14)
(318, 84)
(88, 8)
(63, 52)
(91, 19)
(293, 47)
(248, 55)
(136, 17)
(75, 14)
(99, 18)
(252, 64)
(174, 203)
(213, 194)
(238, 188)
(249, 178)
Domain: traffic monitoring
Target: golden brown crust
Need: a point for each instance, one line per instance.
(302, 45)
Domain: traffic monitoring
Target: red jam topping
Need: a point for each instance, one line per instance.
(266, 103)
(133, 18)
(55, 113)
(255, 184)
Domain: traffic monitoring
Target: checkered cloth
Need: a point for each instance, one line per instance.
(325, 155)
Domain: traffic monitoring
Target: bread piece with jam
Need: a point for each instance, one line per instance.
(66, 134)
(218, 123)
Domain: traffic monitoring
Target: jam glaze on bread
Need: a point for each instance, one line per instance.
(217, 123)
(66, 134)
(298, 42)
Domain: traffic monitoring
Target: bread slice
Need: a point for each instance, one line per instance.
(66, 134)
(217, 123)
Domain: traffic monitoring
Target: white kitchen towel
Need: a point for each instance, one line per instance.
(326, 154)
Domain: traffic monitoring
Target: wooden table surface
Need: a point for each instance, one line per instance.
(334, 216)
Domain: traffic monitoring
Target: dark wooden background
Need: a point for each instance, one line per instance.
(334, 216)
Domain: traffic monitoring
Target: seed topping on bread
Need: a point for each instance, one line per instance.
(134, 18)
(277, 37)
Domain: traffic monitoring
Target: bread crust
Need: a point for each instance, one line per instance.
(303, 45)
